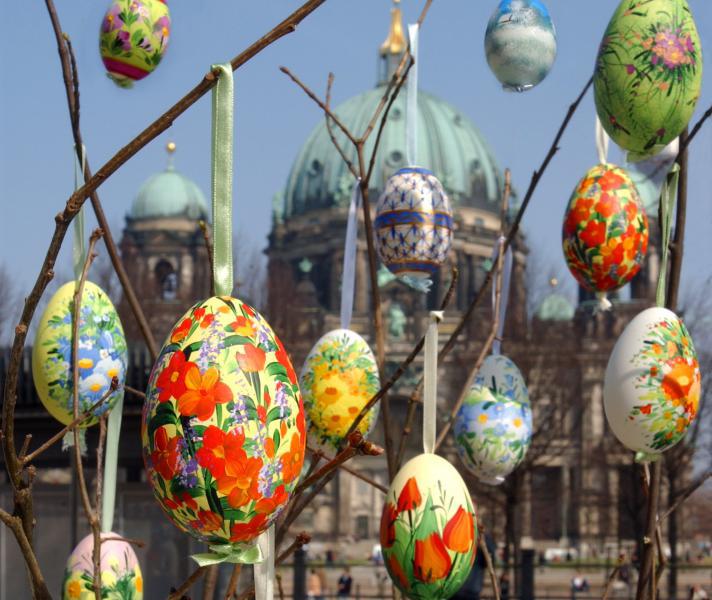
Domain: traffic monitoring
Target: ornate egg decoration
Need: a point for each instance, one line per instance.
(648, 74)
(102, 353)
(223, 427)
(133, 38)
(120, 572)
(605, 232)
(493, 428)
(413, 223)
(520, 44)
(338, 378)
(428, 529)
(652, 385)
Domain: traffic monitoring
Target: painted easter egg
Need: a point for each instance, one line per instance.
(223, 427)
(133, 38)
(493, 427)
(338, 378)
(413, 223)
(605, 232)
(520, 44)
(428, 529)
(120, 572)
(648, 74)
(102, 353)
(652, 385)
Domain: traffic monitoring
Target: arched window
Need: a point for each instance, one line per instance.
(166, 280)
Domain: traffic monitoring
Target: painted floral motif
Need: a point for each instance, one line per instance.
(428, 529)
(121, 577)
(413, 223)
(133, 38)
(648, 73)
(669, 385)
(102, 353)
(605, 232)
(223, 427)
(338, 378)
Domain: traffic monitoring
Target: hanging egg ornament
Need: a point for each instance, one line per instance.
(605, 232)
(133, 38)
(413, 223)
(338, 378)
(428, 529)
(493, 428)
(648, 74)
(120, 572)
(223, 427)
(520, 44)
(101, 356)
(652, 385)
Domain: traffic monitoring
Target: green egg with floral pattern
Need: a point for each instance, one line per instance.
(648, 74)
(101, 354)
(223, 428)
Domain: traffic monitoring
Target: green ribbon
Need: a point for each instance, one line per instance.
(223, 108)
(643, 457)
(113, 433)
(244, 554)
(668, 199)
(79, 250)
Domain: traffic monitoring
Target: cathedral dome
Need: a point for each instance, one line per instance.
(169, 194)
(555, 307)
(449, 144)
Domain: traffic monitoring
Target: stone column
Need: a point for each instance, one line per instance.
(565, 505)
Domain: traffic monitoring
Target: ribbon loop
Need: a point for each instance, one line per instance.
(601, 142)
(79, 250)
(113, 433)
(222, 141)
(411, 110)
(264, 571)
(430, 382)
(668, 199)
(246, 554)
(348, 277)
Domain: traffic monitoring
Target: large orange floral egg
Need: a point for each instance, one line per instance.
(428, 529)
(653, 382)
(223, 427)
(605, 232)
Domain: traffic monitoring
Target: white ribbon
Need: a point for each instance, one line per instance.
(430, 382)
(411, 115)
(108, 501)
(601, 142)
(264, 571)
(79, 244)
(504, 300)
(348, 277)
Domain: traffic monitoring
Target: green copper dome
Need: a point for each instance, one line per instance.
(169, 194)
(448, 144)
(555, 307)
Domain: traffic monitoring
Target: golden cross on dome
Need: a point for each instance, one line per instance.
(395, 42)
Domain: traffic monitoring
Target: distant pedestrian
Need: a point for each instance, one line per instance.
(697, 592)
(343, 589)
(504, 586)
(314, 587)
(578, 584)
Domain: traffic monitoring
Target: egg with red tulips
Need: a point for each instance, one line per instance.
(223, 426)
(605, 231)
(428, 529)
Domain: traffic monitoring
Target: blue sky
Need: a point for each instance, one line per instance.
(273, 117)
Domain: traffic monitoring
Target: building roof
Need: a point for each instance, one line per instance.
(555, 307)
(169, 194)
(449, 144)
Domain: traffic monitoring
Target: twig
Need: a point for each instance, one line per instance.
(612, 576)
(86, 502)
(353, 472)
(488, 559)
(99, 469)
(280, 588)
(647, 563)
(686, 493)
(330, 129)
(232, 584)
(414, 399)
(14, 523)
(135, 392)
(177, 593)
(678, 243)
(70, 76)
(211, 580)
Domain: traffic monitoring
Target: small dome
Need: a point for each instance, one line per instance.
(555, 307)
(449, 145)
(169, 194)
